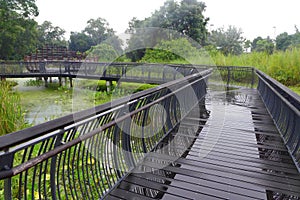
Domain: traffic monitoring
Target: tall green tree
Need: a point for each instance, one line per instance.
(229, 41)
(263, 45)
(17, 28)
(80, 42)
(98, 30)
(283, 41)
(48, 34)
(184, 17)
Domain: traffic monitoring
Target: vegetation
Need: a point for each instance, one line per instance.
(17, 28)
(50, 34)
(228, 41)
(283, 66)
(12, 116)
(96, 32)
(183, 18)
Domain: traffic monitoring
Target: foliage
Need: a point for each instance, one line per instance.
(12, 118)
(185, 18)
(103, 53)
(50, 35)
(80, 42)
(96, 32)
(263, 45)
(228, 41)
(17, 29)
(170, 51)
(25, 8)
(283, 66)
(285, 41)
(32, 82)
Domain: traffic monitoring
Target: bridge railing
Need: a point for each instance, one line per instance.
(141, 72)
(84, 155)
(284, 107)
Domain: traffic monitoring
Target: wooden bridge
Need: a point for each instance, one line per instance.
(188, 138)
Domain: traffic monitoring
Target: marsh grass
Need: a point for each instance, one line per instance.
(283, 66)
(12, 115)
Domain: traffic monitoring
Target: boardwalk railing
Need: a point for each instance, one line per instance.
(137, 72)
(82, 156)
(284, 107)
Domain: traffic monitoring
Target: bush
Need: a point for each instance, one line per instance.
(170, 51)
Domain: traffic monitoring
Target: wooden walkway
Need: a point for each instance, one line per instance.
(237, 153)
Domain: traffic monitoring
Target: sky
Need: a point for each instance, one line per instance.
(254, 17)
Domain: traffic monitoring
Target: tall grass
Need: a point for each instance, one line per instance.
(11, 115)
(283, 66)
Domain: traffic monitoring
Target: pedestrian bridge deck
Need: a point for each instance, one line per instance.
(237, 154)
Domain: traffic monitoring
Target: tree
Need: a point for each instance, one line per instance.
(283, 41)
(25, 8)
(50, 35)
(103, 52)
(185, 17)
(228, 41)
(263, 45)
(17, 28)
(98, 30)
(80, 42)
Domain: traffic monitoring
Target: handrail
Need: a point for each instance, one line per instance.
(101, 143)
(284, 107)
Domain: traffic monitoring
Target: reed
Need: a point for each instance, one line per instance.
(11, 114)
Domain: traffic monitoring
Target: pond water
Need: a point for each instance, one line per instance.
(42, 104)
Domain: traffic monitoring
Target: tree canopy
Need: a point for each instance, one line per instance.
(48, 34)
(228, 41)
(17, 28)
(185, 18)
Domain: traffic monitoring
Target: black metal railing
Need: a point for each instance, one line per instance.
(284, 107)
(82, 156)
(137, 72)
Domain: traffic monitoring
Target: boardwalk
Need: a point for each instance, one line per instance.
(238, 154)
(180, 140)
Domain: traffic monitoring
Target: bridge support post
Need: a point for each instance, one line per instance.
(46, 81)
(2, 78)
(59, 81)
(108, 86)
(71, 82)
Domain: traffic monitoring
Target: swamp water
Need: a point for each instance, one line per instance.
(42, 104)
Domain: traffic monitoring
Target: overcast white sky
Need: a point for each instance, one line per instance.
(255, 17)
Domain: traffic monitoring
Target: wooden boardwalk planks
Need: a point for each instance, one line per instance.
(238, 154)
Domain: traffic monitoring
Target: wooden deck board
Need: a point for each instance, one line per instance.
(238, 154)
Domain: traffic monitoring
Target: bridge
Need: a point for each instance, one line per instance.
(188, 138)
(127, 72)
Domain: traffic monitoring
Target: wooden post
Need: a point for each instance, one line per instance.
(71, 82)
(46, 81)
(59, 81)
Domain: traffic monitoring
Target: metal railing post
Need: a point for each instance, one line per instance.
(53, 165)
